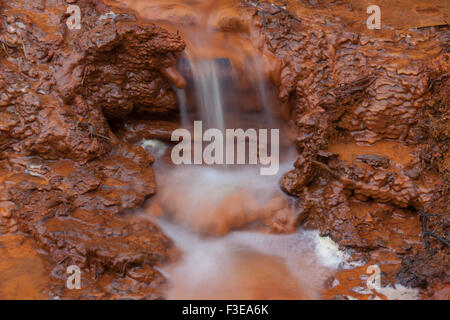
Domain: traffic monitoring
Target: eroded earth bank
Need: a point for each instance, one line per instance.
(367, 112)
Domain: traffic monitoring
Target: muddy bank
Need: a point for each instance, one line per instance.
(66, 179)
(348, 87)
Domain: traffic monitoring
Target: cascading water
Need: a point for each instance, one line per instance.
(208, 93)
(214, 218)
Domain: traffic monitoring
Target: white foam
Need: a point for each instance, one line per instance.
(108, 15)
(399, 292)
(155, 147)
(207, 261)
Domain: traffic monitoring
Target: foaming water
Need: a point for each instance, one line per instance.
(248, 265)
(206, 213)
(215, 200)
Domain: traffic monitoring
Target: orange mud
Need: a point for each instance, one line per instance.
(394, 150)
(23, 273)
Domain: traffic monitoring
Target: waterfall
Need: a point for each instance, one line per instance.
(182, 101)
(227, 88)
(208, 93)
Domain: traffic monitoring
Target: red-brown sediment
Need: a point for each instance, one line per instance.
(347, 84)
(66, 177)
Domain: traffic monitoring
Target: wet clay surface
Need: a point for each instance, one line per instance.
(346, 84)
(65, 177)
(23, 273)
(368, 110)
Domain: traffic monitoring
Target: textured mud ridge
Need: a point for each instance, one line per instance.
(369, 110)
(349, 87)
(65, 177)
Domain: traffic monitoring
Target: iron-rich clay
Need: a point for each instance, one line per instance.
(66, 177)
(345, 83)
